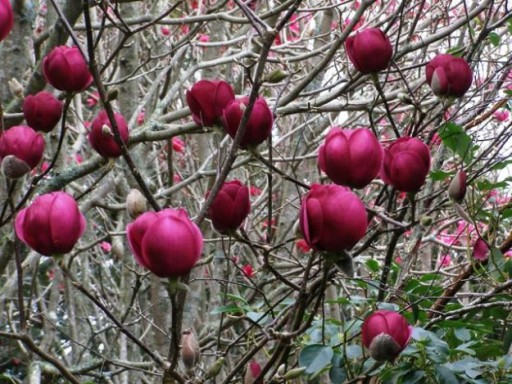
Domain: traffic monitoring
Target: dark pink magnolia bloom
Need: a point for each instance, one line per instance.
(167, 243)
(66, 69)
(259, 124)
(448, 75)
(207, 99)
(24, 143)
(406, 164)
(457, 187)
(6, 18)
(369, 50)
(102, 138)
(351, 157)
(42, 111)
(386, 334)
(51, 225)
(332, 218)
(252, 372)
(230, 207)
(480, 250)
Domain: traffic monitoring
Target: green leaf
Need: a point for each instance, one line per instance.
(456, 51)
(337, 375)
(462, 334)
(509, 26)
(234, 309)
(440, 175)
(414, 377)
(494, 38)
(455, 138)
(373, 265)
(315, 358)
(445, 376)
(354, 351)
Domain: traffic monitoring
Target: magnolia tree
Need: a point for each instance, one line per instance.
(255, 192)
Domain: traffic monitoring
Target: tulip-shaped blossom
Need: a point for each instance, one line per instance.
(480, 250)
(6, 18)
(230, 207)
(207, 100)
(332, 218)
(102, 138)
(66, 69)
(166, 242)
(42, 111)
(259, 124)
(406, 164)
(386, 334)
(449, 76)
(350, 157)
(51, 225)
(369, 50)
(457, 187)
(22, 148)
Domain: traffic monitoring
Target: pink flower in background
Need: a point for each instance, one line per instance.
(254, 191)
(141, 117)
(178, 145)
(105, 246)
(398, 260)
(508, 254)
(78, 158)
(302, 246)
(445, 261)
(93, 99)
(204, 38)
(176, 178)
(248, 270)
(501, 115)
(165, 30)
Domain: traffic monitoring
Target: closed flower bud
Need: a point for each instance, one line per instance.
(385, 334)
(24, 143)
(207, 99)
(166, 242)
(457, 188)
(215, 368)
(294, 373)
(6, 18)
(369, 51)
(15, 87)
(102, 138)
(66, 69)
(190, 352)
(14, 168)
(480, 250)
(230, 207)
(259, 124)
(332, 218)
(252, 372)
(42, 111)
(136, 203)
(449, 76)
(350, 157)
(406, 164)
(51, 225)
(276, 76)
